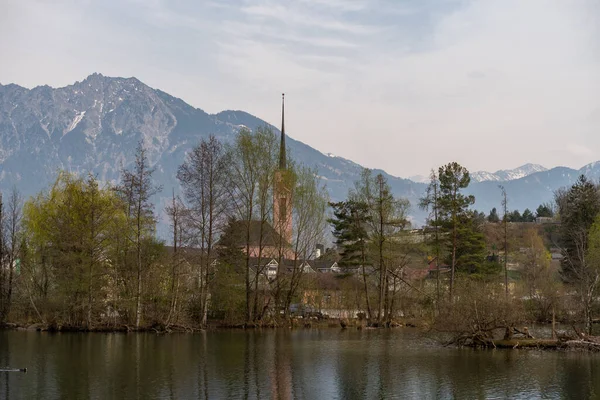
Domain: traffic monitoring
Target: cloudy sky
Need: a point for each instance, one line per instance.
(403, 85)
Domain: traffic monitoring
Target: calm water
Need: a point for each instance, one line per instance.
(303, 364)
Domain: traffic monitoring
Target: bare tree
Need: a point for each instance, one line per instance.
(254, 160)
(310, 204)
(388, 219)
(430, 202)
(137, 189)
(204, 176)
(505, 222)
(176, 212)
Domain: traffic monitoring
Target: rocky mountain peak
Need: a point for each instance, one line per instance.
(95, 125)
(507, 174)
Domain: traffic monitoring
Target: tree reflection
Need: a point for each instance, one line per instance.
(283, 364)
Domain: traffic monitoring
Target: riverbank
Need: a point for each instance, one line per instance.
(544, 344)
(570, 339)
(294, 323)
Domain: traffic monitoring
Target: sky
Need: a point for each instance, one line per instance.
(402, 85)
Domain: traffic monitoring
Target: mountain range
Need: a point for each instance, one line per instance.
(95, 125)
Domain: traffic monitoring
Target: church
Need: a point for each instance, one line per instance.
(271, 241)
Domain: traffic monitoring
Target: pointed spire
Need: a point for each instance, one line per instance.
(282, 156)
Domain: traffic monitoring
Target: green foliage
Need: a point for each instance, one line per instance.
(386, 226)
(593, 251)
(544, 210)
(453, 204)
(578, 208)
(527, 216)
(350, 223)
(470, 249)
(487, 270)
(228, 300)
(493, 216)
(515, 216)
(69, 231)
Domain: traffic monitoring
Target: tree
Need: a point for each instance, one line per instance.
(431, 202)
(309, 220)
(3, 278)
(535, 261)
(387, 221)
(10, 243)
(527, 216)
(204, 177)
(254, 160)
(589, 273)
(470, 248)
(176, 212)
(493, 216)
(453, 206)
(544, 210)
(350, 229)
(515, 216)
(69, 233)
(578, 209)
(505, 218)
(136, 190)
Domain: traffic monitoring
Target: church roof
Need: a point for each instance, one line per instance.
(235, 234)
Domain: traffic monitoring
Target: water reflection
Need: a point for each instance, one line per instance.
(301, 364)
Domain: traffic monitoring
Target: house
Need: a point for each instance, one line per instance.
(325, 266)
(304, 267)
(433, 267)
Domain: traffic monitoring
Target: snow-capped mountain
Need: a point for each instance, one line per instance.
(95, 125)
(507, 174)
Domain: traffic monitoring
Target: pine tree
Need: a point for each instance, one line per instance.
(527, 216)
(493, 216)
(350, 222)
(453, 206)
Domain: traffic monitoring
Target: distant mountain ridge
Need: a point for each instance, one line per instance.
(94, 126)
(507, 174)
(498, 176)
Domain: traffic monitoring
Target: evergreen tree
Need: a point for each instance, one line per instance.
(493, 216)
(544, 210)
(527, 216)
(470, 249)
(350, 223)
(578, 208)
(515, 216)
(453, 207)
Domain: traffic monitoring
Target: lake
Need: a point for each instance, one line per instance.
(283, 364)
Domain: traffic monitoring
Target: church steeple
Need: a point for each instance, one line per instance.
(282, 156)
(282, 193)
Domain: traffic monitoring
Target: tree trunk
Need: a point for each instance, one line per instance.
(364, 274)
(138, 297)
(553, 323)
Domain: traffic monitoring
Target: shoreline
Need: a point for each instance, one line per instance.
(215, 326)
